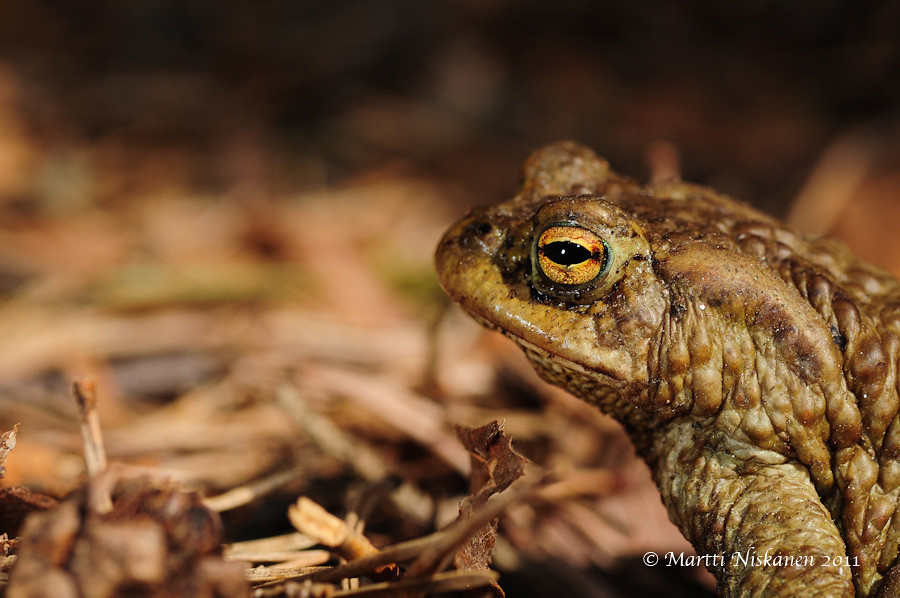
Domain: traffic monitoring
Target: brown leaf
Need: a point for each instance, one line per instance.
(495, 465)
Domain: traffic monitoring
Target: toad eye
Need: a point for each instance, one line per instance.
(571, 255)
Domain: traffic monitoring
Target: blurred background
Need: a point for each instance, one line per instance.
(206, 206)
(751, 93)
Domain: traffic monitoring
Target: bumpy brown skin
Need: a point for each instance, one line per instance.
(754, 369)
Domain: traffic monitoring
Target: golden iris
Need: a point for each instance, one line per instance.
(571, 255)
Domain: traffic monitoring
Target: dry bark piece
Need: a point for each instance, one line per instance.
(7, 444)
(293, 542)
(156, 541)
(16, 502)
(312, 520)
(348, 541)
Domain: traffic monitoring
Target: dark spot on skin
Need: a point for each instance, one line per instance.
(536, 295)
(677, 309)
(870, 361)
(809, 367)
(483, 228)
(784, 335)
(478, 228)
(839, 339)
(515, 270)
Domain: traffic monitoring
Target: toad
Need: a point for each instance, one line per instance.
(754, 369)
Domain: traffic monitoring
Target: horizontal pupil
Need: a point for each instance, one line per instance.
(566, 253)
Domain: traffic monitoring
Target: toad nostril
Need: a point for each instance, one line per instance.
(483, 228)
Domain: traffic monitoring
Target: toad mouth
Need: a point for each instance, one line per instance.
(612, 380)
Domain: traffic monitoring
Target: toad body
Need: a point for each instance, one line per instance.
(755, 370)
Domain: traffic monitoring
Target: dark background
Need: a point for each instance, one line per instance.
(750, 92)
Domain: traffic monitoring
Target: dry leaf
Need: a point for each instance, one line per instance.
(495, 465)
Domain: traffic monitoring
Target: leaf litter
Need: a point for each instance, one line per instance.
(272, 397)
